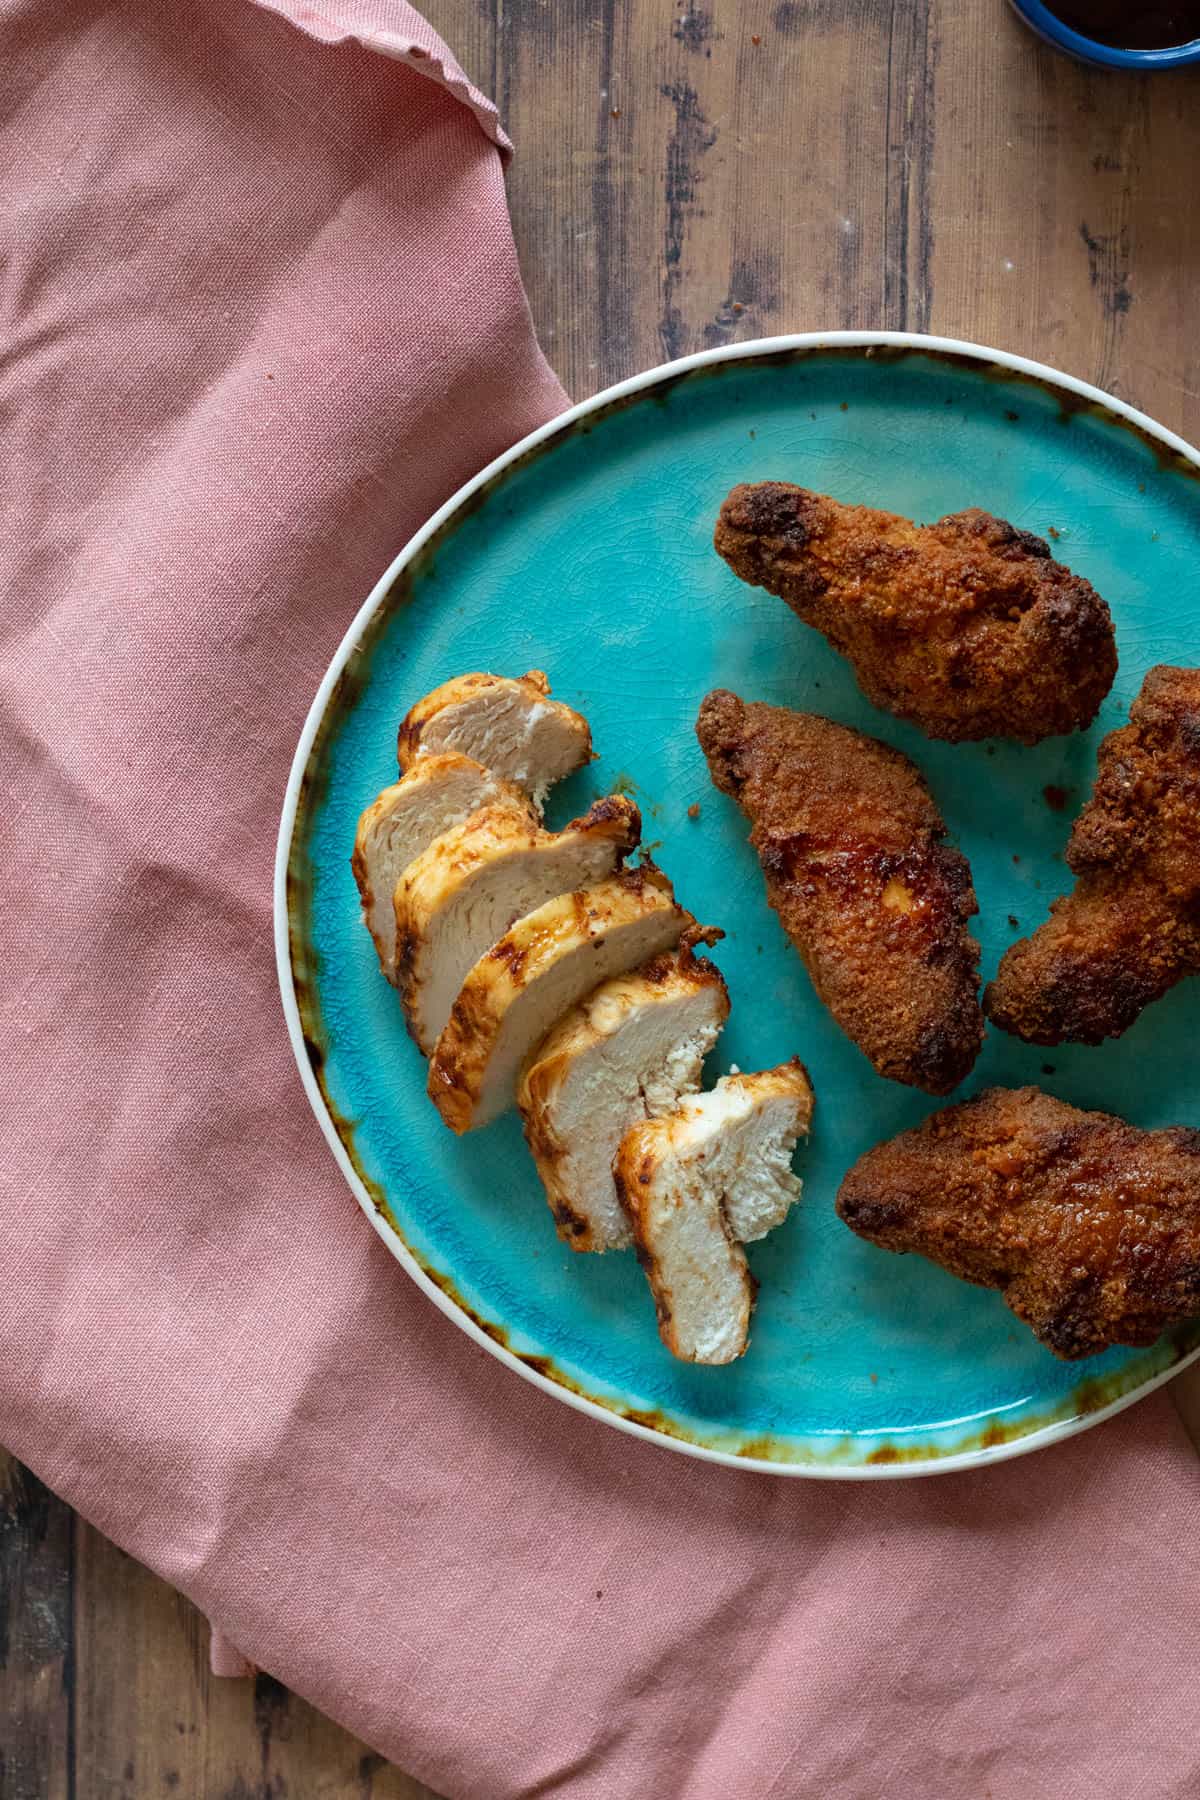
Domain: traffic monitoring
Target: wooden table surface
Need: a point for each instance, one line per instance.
(685, 175)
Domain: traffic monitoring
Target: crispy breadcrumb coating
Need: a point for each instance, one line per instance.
(1089, 1227)
(850, 841)
(1131, 928)
(968, 628)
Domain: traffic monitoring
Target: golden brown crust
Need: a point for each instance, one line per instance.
(849, 838)
(1131, 928)
(372, 861)
(454, 692)
(1089, 1227)
(678, 971)
(968, 627)
(633, 1170)
(459, 1068)
(476, 850)
(461, 689)
(477, 840)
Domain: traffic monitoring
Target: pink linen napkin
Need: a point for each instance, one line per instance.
(262, 314)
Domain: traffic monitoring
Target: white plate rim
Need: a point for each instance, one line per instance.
(748, 351)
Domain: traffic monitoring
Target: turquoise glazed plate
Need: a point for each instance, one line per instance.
(586, 551)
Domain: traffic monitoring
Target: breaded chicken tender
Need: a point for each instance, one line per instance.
(1089, 1227)
(967, 628)
(850, 841)
(1131, 928)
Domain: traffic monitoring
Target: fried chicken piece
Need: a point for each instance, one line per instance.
(967, 628)
(1131, 928)
(1089, 1227)
(849, 838)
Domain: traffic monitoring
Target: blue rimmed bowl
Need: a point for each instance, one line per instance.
(1051, 29)
(586, 550)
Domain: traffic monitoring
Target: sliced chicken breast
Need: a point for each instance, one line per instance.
(698, 1183)
(537, 971)
(437, 792)
(510, 726)
(462, 893)
(629, 1051)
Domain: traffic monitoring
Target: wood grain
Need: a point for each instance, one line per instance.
(689, 175)
(37, 1661)
(686, 175)
(143, 1717)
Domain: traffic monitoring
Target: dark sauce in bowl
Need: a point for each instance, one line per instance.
(1160, 25)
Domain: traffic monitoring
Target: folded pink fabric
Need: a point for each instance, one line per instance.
(262, 313)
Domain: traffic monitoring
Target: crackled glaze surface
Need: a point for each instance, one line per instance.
(590, 556)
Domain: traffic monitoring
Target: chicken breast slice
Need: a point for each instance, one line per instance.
(629, 1051)
(509, 725)
(700, 1182)
(538, 970)
(438, 791)
(462, 893)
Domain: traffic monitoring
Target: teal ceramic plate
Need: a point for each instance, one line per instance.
(586, 551)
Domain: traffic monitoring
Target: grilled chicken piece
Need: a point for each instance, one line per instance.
(850, 842)
(700, 1182)
(437, 792)
(539, 969)
(627, 1052)
(460, 896)
(968, 628)
(510, 726)
(1089, 1227)
(1131, 928)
